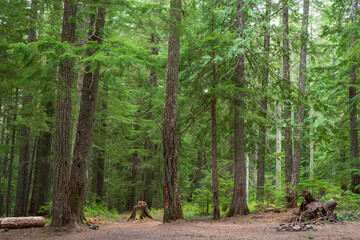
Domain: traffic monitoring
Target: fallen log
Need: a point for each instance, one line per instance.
(22, 222)
(139, 212)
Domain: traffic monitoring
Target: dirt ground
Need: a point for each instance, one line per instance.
(259, 226)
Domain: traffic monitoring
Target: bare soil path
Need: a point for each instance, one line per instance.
(253, 226)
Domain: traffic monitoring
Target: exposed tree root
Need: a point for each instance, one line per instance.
(312, 209)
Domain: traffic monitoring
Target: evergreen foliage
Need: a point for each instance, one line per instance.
(130, 107)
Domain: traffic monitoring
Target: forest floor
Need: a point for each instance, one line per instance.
(253, 226)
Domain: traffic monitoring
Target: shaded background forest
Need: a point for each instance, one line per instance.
(126, 163)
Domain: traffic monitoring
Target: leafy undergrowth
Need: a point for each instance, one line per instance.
(348, 216)
(99, 210)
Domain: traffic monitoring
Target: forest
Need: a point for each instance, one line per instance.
(211, 108)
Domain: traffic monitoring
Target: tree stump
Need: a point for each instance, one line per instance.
(22, 222)
(140, 212)
(311, 208)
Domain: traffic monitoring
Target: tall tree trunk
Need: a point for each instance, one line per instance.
(355, 177)
(8, 194)
(247, 175)
(24, 155)
(41, 183)
(60, 210)
(100, 161)
(278, 151)
(299, 129)
(287, 103)
(172, 210)
(76, 108)
(99, 152)
(158, 182)
(215, 181)
(311, 141)
(148, 177)
(265, 80)
(23, 169)
(84, 134)
(135, 161)
(155, 51)
(32, 163)
(2, 158)
(216, 214)
(239, 205)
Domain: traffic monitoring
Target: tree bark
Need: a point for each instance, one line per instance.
(100, 168)
(24, 155)
(278, 151)
(355, 177)
(299, 129)
(263, 110)
(32, 164)
(247, 176)
(3, 157)
(287, 103)
(41, 183)
(23, 169)
(60, 210)
(84, 134)
(239, 205)
(215, 181)
(158, 181)
(134, 170)
(22, 222)
(8, 194)
(311, 141)
(172, 209)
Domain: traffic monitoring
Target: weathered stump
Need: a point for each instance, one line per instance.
(22, 222)
(140, 212)
(311, 209)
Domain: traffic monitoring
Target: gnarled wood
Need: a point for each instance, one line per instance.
(311, 208)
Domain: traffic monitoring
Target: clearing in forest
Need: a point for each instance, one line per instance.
(253, 226)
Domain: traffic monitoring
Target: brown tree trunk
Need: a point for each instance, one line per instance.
(23, 169)
(215, 181)
(148, 190)
(32, 163)
(239, 205)
(41, 183)
(100, 168)
(3, 157)
(355, 178)
(84, 134)
(134, 170)
(24, 155)
(60, 210)
(172, 209)
(11, 161)
(263, 110)
(287, 103)
(158, 181)
(299, 129)
(155, 51)
(100, 153)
